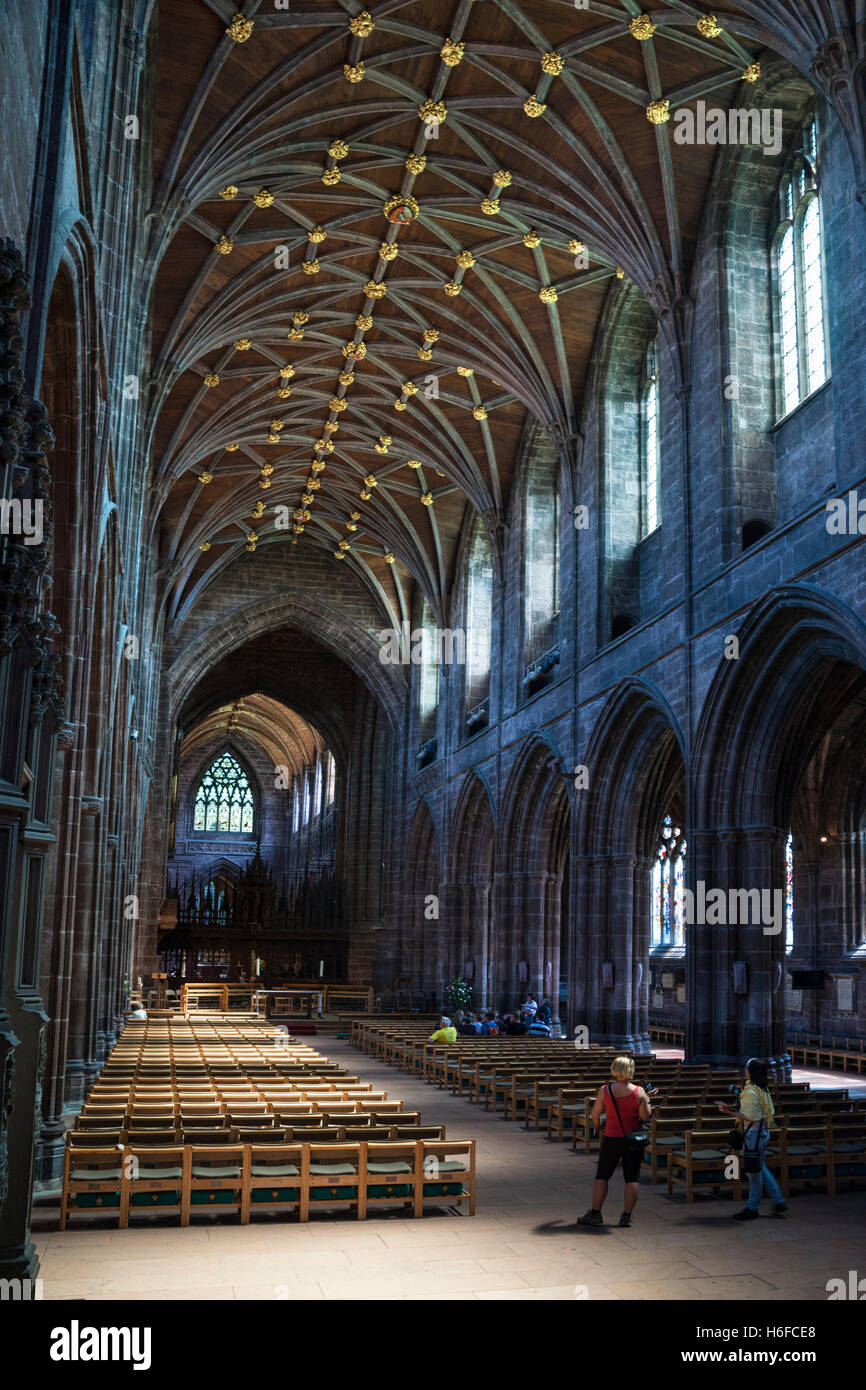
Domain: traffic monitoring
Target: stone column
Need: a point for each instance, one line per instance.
(728, 1019)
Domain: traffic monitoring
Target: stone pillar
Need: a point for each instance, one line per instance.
(735, 996)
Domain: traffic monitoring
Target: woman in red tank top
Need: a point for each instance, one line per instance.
(625, 1107)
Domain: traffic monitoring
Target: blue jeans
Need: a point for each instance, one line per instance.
(757, 1141)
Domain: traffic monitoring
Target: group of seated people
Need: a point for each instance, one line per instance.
(533, 1020)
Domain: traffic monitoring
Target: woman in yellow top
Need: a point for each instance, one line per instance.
(755, 1109)
(445, 1033)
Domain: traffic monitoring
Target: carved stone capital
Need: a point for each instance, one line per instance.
(66, 735)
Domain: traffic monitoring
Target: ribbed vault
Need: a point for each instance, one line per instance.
(286, 738)
(273, 267)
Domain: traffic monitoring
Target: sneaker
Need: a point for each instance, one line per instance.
(746, 1215)
(590, 1218)
(781, 1208)
(625, 1219)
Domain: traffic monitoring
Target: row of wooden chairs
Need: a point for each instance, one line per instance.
(828, 1152)
(243, 1179)
(170, 1136)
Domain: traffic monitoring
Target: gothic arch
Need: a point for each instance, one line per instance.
(772, 724)
(533, 885)
(472, 933)
(215, 750)
(338, 634)
(636, 772)
(634, 755)
(418, 945)
(802, 659)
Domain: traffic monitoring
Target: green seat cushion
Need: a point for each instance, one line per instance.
(849, 1146)
(274, 1170)
(201, 1170)
(708, 1153)
(805, 1149)
(275, 1194)
(389, 1167)
(159, 1173)
(106, 1174)
(451, 1165)
(331, 1170)
(665, 1142)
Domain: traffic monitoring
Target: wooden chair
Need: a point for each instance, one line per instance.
(92, 1181)
(442, 1178)
(298, 1119)
(846, 1150)
(416, 1132)
(154, 1179)
(276, 1179)
(392, 1175)
(336, 1176)
(701, 1163)
(215, 1178)
(805, 1151)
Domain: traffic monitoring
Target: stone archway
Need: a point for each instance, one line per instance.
(532, 885)
(797, 690)
(470, 936)
(422, 905)
(635, 769)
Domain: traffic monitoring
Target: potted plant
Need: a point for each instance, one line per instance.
(458, 995)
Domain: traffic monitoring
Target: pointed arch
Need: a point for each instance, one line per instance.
(802, 659)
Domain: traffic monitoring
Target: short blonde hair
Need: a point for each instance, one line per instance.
(622, 1068)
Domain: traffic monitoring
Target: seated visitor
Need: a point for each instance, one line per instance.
(530, 1009)
(444, 1033)
(539, 1029)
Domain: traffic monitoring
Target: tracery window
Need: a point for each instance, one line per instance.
(541, 560)
(428, 685)
(224, 800)
(649, 437)
(668, 881)
(478, 622)
(789, 892)
(800, 294)
(317, 793)
(332, 780)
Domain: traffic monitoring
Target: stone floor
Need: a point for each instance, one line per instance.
(522, 1243)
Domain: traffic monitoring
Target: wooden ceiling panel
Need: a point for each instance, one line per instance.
(261, 114)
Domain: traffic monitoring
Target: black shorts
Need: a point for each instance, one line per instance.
(609, 1155)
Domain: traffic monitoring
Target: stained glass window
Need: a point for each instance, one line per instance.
(668, 880)
(650, 442)
(799, 275)
(789, 892)
(332, 779)
(224, 801)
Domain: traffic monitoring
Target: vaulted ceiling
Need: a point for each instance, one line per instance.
(284, 736)
(375, 377)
